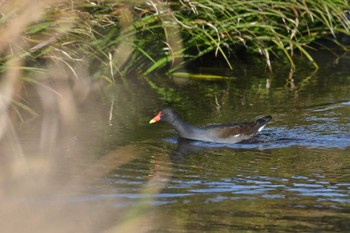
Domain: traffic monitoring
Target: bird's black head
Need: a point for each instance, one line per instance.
(166, 114)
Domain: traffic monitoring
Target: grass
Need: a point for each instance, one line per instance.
(54, 56)
(106, 40)
(266, 28)
(119, 37)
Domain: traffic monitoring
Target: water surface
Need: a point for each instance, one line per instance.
(113, 171)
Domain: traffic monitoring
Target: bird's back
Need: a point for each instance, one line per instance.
(232, 132)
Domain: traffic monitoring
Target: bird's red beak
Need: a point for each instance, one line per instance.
(155, 119)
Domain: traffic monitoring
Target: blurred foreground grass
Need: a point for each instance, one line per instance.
(58, 55)
(48, 158)
(53, 172)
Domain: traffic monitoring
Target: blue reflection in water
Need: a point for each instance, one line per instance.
(284, 137)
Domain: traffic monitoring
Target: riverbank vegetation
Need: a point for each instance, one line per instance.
(69, 100)
(116, 37)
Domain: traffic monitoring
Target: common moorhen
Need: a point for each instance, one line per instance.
(218, 133)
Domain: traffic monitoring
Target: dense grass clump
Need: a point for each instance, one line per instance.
(267, 28)
(114, 37)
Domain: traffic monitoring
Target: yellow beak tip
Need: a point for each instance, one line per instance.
(152, 121)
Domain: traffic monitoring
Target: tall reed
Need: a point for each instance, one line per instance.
(144, 36)
(268, 28)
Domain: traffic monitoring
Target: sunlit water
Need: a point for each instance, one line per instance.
(295, 176)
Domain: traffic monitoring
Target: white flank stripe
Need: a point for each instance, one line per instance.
(261, 128)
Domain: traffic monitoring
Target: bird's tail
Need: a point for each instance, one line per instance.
(264, 120)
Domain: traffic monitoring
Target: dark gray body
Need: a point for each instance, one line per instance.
(220, 133)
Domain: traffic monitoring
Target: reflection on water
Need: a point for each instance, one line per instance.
(329, 107)
(93, 167)
(297, 185)
(295, 175)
